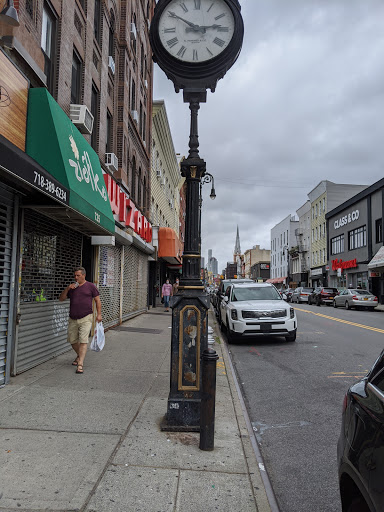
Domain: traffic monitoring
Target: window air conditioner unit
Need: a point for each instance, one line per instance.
(162, 182)
(111, 64)
(158, 173)
(133, 32)
(146, 84)
(135, 116)
(171, 203)
(112, 162)
(82, 118)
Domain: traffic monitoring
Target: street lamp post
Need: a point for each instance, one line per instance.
(195, 50)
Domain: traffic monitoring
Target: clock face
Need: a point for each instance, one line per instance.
(196, 30)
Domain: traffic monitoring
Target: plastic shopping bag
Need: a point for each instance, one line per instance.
(98, 340)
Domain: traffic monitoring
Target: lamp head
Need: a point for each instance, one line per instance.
(9, 15)
(212, 195)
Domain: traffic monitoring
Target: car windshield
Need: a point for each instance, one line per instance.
(329, 290)
(307, 290)
(361, 292)
(262, 293)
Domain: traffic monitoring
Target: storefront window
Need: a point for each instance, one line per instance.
(337, 244)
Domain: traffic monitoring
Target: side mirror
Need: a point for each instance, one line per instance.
(284, 296)
(226, 299)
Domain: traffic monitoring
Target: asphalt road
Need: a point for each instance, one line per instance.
(294, 394)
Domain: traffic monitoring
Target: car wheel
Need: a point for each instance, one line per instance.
(358, 505)
(318, 303)
(222, 326)
(309, 302)
(347, 306)
(291, 336)
(230, 334)
(334, 304)
(371, 309)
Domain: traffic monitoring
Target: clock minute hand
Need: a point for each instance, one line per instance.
(173, 15)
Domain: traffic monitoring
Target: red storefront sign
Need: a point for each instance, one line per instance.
(126, 210)
(343, 264)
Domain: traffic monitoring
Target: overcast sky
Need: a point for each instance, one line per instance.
(304, 102)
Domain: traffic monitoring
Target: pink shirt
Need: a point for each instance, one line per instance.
(166, 289)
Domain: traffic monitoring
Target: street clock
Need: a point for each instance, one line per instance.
(195, 42)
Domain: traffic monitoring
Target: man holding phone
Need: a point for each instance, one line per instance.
(81, 294)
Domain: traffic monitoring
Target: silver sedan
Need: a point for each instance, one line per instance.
(355, 298)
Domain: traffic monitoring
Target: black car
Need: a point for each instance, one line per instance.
(360, 449)
(323, 295)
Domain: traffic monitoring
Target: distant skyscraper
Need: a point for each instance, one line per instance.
(214, 266)
(209, 267)
(202, 262)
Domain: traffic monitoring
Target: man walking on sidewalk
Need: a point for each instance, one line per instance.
(81, 294)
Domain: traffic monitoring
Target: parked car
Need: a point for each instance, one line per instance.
(361, 444)
(253, 309)
(218, 296)
(288, 293)
(355, 298)
(322, 295)
(301, 294)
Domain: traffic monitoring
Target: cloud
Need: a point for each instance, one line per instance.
(303, 103)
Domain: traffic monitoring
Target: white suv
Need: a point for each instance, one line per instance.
(253, 309)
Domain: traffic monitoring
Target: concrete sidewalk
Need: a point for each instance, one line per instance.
(92, 442)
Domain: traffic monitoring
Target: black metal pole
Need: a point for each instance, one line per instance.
(208, 399)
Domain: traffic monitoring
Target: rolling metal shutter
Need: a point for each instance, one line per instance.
(110, 283)
(135, 282)
(6, 247)
(50, 253)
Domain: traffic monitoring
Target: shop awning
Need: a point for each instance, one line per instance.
(276, 280)
(378, 260)
(170, 247)
(57, 145)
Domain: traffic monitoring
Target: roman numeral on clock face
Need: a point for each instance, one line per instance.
(222, 29)
(210, 7)
(197, 4)
(184, 7)
(219, 41)
(220, 16)
(209, 51)
(181, 52)
(195, 56)
(169, 30)
(172, 42)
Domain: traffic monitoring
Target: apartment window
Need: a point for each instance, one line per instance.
(76, 79)
(379, 231)
(95, 113)
(48, 43)
(313, 212)
(320, 231)
(97, 21)
(337, 244)
(141, 118)
(133, 179)
(108, 140)
(323, 204)
(111, 41)
(133, 95)
(357, 238)
(144, 126)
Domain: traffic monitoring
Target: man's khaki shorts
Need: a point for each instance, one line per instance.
(79, 330)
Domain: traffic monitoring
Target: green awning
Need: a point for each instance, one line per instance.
(58, 146)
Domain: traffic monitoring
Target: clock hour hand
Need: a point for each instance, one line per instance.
(173, 15)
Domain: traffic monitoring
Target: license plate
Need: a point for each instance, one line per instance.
(266, 327)
(330, 298)
(365, 298)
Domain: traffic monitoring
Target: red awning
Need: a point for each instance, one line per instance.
(276, 280)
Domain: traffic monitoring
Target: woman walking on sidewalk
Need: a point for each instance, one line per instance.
(166, 293)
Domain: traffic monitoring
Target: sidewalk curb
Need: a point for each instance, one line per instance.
(263, 492)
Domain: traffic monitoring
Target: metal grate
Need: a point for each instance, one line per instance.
(139, 329)
(50, 253)
(135, 282)
(110, 283)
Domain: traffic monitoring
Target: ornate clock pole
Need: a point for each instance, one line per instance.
(194, 42)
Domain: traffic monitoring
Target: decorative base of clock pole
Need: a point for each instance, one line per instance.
(189, 340)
